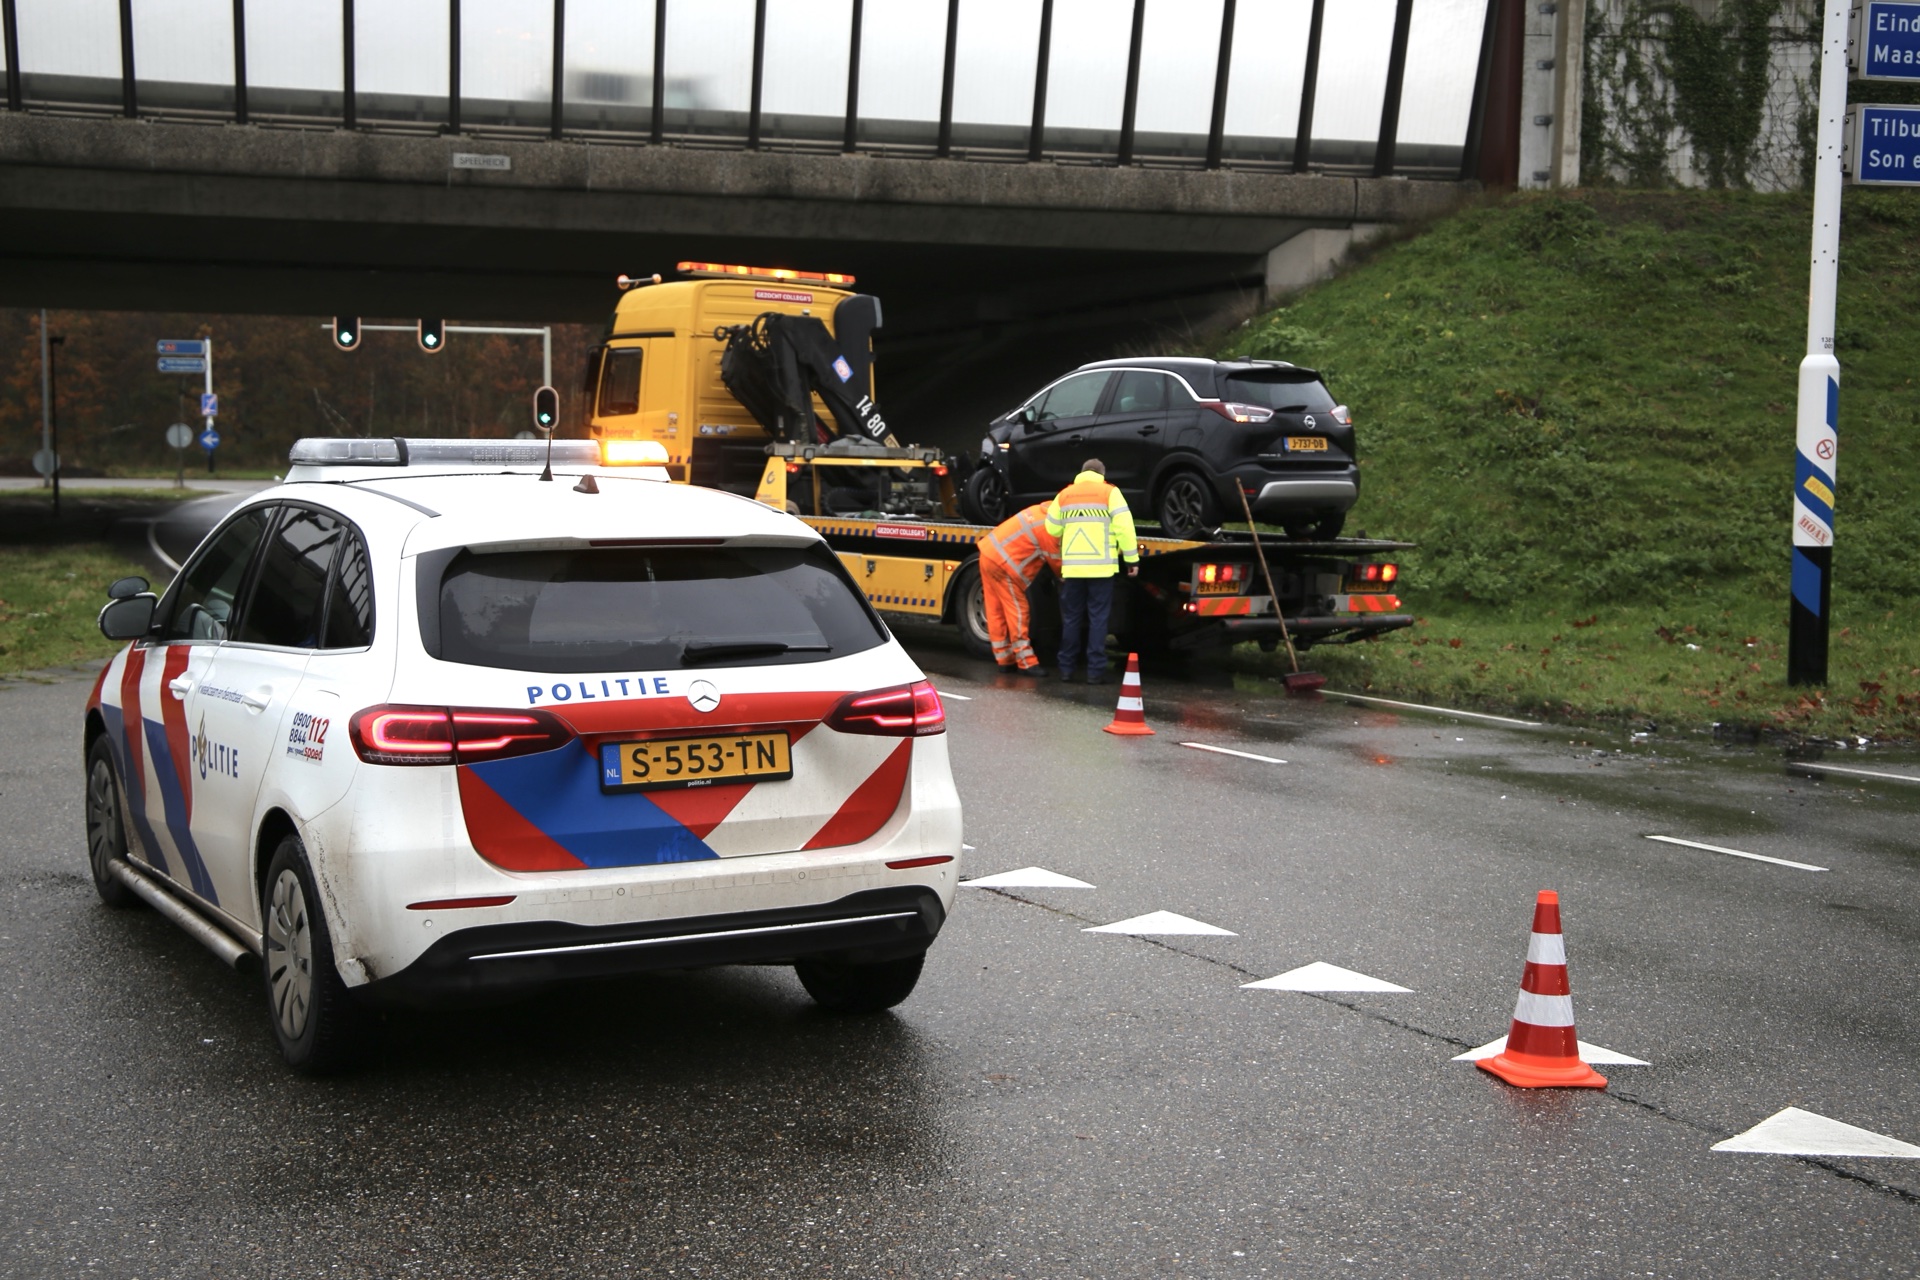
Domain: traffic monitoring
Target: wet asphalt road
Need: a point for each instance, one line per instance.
(1052, 1102)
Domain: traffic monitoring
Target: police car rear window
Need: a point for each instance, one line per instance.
(651, 608)
(1279, 392)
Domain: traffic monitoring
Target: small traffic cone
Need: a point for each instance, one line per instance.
(1130, 717)
(1543, 1052)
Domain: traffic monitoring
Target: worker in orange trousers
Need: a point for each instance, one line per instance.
(1011, 557)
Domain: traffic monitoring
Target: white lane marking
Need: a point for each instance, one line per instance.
(1228, 751)
(1321, 976)
(1445, 711)
(1026, 878)
(1859, 773)
(1591, 1054)
(967, 848)
(1161, 922)
(1738, 853)
(153, 545)
(1794, 1132)
(957, 697)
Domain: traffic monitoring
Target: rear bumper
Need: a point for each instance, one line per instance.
(1343, 629)
(876, 924)
(1327, 491)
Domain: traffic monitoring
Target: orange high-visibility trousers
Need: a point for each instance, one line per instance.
(1008, 614)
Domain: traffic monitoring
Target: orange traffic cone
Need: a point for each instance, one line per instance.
(1130, 717)
(1542, 1050)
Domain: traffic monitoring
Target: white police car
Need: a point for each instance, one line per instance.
(421, 724)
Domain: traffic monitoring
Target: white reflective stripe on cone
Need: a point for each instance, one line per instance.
(1547, 948)
(1543, 1011)
(1132, 704)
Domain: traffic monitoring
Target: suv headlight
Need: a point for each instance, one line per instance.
(986, 446)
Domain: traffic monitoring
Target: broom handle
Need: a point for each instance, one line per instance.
(1267, 573)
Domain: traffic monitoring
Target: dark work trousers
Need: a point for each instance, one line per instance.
(1085, 606)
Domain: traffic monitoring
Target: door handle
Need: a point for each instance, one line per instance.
(1147, 431)
(1075, 438)
(257, 700)
(181, 686)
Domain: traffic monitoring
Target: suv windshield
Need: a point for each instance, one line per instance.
(604, 609)
(1277, 391)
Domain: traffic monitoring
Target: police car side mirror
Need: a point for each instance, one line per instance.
(129, 617)
(126, 588)
(1027, 414)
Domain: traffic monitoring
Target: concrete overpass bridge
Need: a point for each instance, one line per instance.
(1025, 182)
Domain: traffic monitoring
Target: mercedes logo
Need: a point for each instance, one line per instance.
(703, 695)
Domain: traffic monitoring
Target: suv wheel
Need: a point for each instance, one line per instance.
(1186, 507)
(1327, 526)
(319, 1026)
(984, 500)
(859, 988)
(106, 836)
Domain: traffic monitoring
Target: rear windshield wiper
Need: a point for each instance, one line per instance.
(698, 651)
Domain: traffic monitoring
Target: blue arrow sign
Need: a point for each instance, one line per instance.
(209, 404)
(1889, 36)
(181, 346)
(182, 364)
(209, 439)
(1886, 145)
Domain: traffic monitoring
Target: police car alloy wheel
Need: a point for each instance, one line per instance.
(319, 1028)
(106, 838)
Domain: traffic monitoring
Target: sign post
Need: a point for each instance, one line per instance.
(179, 436)
(193, 355)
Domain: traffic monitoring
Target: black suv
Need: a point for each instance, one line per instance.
(1182, 438)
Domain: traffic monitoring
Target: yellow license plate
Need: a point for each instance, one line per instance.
(1229, 587)
(1306, 444)
(691, 762)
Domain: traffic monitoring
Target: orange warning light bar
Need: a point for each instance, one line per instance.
(726, 270)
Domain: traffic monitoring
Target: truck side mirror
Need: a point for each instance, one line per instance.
(128, 617)
(125, 588)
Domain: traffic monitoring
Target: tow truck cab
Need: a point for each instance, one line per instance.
(655, 374)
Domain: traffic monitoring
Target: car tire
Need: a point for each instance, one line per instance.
(320, 1028)
(984, 499)
(1186, 508)
(106, 826)
(970, 611)
(843, 987)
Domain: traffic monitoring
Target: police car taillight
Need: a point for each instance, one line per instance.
(904, 711)
(448, 735)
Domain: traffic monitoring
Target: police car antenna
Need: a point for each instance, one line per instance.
(547, 473)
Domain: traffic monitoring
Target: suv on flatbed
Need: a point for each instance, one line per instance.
(1182, 437)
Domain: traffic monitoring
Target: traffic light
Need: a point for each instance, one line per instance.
(546, 408)
(346, 332)
(433, 335)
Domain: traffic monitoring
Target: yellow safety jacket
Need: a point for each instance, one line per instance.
(1095, 528)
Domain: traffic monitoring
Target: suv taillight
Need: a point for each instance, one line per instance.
(448, 735)
(1238, 412)
(904, 711)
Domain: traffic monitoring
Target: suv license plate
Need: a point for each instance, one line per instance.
(691, 762)
(1306, 444)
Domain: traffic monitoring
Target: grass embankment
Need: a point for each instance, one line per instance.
(1582, 407)
(54, 575)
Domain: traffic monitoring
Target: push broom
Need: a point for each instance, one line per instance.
(1297, 681)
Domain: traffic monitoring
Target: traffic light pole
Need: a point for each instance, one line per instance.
(1817, 437)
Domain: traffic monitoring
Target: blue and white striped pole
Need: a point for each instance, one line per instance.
(1817, 438)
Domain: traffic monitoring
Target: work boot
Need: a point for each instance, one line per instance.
(1064, 675)
(1036, 671)
(1102, 678)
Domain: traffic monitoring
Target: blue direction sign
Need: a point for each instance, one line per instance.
(1887, 41)
(209, 439)
(1886, 145)
(209, 404)
(181, 346)
(182, 364)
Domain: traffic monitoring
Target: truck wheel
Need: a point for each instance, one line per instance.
(859, 988)
(106, 835)
(970, 611)
(319, 1026)
(984, 500)
(1186, 508)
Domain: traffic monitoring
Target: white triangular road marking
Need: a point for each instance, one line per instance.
(957, 697)
(1026, 878)
(1321, 976)
(1794, 1132)
(1161, 922)
(1591, 1054)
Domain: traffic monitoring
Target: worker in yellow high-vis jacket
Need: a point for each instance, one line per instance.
(1095, 529)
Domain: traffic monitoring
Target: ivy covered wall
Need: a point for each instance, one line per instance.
(1699, 93)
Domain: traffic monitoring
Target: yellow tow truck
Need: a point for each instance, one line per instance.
(761, 381)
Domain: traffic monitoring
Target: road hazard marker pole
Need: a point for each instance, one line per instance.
(1817, 435)
(1543, 1050)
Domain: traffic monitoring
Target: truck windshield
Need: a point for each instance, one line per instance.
(1279, 392)
(647, 609)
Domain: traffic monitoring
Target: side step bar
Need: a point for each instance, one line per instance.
(197, 926)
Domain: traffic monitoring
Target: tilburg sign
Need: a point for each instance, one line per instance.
(1883, 145)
